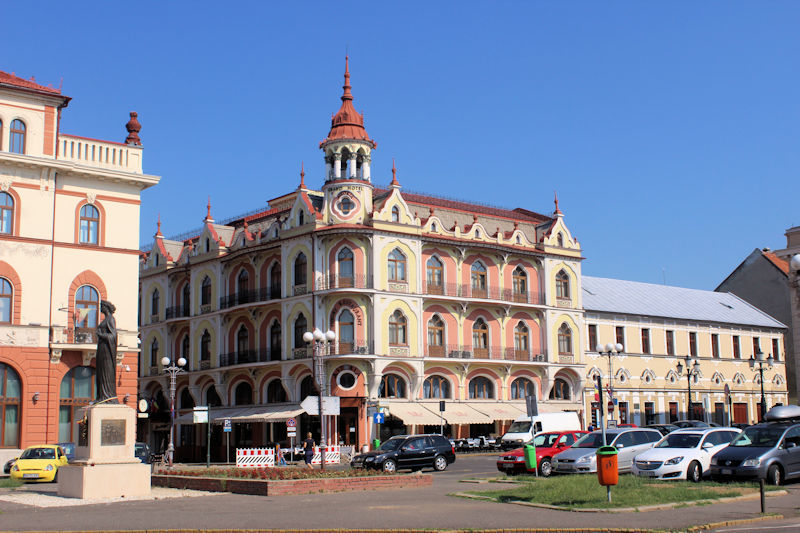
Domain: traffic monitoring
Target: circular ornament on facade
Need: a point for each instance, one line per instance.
(346, 380)
(346, 205)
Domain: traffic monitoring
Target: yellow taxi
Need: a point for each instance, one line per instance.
(39, 463)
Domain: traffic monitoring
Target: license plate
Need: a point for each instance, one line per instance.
(568, 468)
(726, 472)
(30, 476)
(508, 466)
(645, 473)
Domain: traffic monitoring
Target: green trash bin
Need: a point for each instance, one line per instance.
(530, 457)
(376, 443)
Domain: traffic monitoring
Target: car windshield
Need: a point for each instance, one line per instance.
(759, 437)
(679, 440)
(545, 440)
(520, 427)
(592, 440)
(391, 445)
(38, 453)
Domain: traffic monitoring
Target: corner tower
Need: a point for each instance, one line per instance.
(348, 149)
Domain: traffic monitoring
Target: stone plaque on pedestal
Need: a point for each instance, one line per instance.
(105, 465)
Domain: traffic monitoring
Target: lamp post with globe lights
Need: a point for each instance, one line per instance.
(760, 360)
(692, 371)
(608, 350)
(319, 341)
(173, 370)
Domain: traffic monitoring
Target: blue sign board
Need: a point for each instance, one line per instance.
(378, 418)
(227, 426)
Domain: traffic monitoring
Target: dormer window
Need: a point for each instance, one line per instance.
(433, 227)
(208, 245)
(477, 234)
(300, 218)
(395, 214)
(17, 140)
(560, 240)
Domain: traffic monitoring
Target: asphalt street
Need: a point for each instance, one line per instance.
(428, 507)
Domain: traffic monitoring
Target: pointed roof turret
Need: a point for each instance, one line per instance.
(394, 182)
(347, 123)
(302, 176)
(158, 226)
(208, 211)
(557, 212)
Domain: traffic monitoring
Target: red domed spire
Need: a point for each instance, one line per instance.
(302, 176)
(347, 123)
(394, 182)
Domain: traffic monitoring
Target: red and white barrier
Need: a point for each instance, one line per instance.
(333, 455)
(255, 457)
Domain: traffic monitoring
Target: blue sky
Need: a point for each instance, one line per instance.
(669, 129)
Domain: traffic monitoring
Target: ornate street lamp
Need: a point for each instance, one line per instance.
(319, 341)
(759, 360)
(692, 371)
(608, 350)
(173, 372)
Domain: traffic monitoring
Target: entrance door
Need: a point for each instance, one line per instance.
(348, 426)
(740, 413)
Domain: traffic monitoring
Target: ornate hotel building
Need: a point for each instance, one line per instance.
(658, 326)
(430, 299)
(69, 229)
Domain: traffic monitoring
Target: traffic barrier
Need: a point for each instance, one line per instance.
(333, 454)
(255, 457)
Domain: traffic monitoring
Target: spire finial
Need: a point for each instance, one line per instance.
(133, 128)
(557, 211)
(208, 209)
(158, 226)
(302, 176)
(394, 183)
(347, 95)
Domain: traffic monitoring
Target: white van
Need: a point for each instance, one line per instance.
(522, 431)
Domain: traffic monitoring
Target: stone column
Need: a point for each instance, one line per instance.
(337, 166)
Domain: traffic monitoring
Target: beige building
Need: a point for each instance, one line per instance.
(69, 231)
(658, 326)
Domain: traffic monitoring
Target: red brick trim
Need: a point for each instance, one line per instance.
(8, 272)
(102, 225)
(234, 330)
(99, 196)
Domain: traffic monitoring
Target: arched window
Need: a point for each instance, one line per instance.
(480, 338)
(10, 394)
(434, 275)
(397, 265)
(346, 332)
(208, 245)
(521, 388)
(397, 329)
(212, 398)
(242, 284)
(275, 281)
(17, 140)
(154, 303)
(186, 400)
(205, 349)
(243, 395)
(562, 285)
(275, 392)
(300, 265)
(436, 336)
(87, 305)
(395, 214)
(205, 291)
(392, 386)
(186, 300)
(242, 343)
(481, 388)
(521, 345)
(436, 387)
(275, 347)
(478, 277)
(564, 340)
(6, 212)
(89, 224)
(300, 327)
(185, 347)
(560, 240)
(307, 388)
(301, 218)
(154, 353)
(520, 285)
(6, 301)
(560, 390)
(77, 390)
(344, 260)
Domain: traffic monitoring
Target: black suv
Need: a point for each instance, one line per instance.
(408, 451)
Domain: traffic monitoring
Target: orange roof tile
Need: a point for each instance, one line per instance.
(782, 264)
(16, 81)
(347, 123)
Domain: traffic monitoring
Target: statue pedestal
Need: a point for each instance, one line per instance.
(105, 465)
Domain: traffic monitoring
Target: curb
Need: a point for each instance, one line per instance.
(741, 521)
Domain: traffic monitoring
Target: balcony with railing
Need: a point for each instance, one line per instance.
(459, 290)
(177, 311)
(332, 281)
(357, 347)
(243, 357)
(460, 351)
(249, 296)
(102, 154)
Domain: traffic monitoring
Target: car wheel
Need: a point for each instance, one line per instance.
(389, 466)
(694, 473)
(545, 467)
(774, 475)
(439, 463)
(55, 477)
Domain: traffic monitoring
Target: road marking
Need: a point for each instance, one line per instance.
(796, 525)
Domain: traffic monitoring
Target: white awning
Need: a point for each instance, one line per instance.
(462, 413)
(414, 413)
(251, 413)
(501, 410)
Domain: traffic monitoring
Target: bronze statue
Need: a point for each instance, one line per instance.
(106, 358)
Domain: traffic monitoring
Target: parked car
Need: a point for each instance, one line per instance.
(524, 428)
(691, 424)
(768, 450)
(683, 454)
(39, 463)
(142, 452)
(9, 464)
(627, 425)
(580, 457)
(663, 428)
(413, 452)
(69, 450)
(547, 445)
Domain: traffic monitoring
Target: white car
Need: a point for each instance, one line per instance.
(683, 454)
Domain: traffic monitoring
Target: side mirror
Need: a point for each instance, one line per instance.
(707, 445)
(620, 446)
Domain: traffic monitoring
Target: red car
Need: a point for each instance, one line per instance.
(547, 445)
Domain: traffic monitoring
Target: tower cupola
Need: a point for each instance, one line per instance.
(348, 146)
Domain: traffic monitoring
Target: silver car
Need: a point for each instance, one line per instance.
(581, 457)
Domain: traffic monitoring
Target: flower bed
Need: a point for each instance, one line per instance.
(248, 481)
